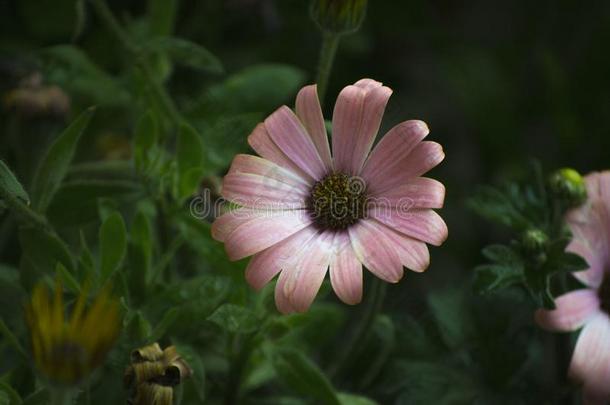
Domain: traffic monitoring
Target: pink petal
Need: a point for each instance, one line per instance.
(305, 276)
(345, 271)
(420, 192)
(251, 190)
(356, 123)
(228, 222)
(264, 231)
(375, 102)
(347, 120)
(573, 310)
(263, 167)
(424, 157)
(425, 225)
(282, 302)
(310, 113)
(367, 84)
(413, 254)
(375, 250)
(265, 265)
(392, 149)
(290, 136)
(591, 359)
(262, 144)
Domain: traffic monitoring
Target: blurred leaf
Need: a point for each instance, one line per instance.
(67, 279)
(259, 88)
(10, 184)
(511, 207)
(490, 277)
(12, 339)
(350, 399)
(433, 383)
(81, 17)
(11, 396)
(303, 376)
(39, 397)
(189, 154)
(137, 328)
(161, 16)
(169, 317)
(76, 202)
(235, 319)
(54, 165)
(187, 53)
(42, 250)
(452, 315)
(113, 243)
(198, 379)
(72, 69)
(145, 140)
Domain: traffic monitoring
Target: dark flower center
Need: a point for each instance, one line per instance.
(604, 294)
(337, 201)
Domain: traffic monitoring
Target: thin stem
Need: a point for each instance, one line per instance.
(362, 329)
(23, 211)
(237, 369)
(136, 52)
(330, 43)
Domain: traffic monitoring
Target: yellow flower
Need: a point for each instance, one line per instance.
(67, 349)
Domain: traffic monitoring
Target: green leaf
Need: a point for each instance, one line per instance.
(433, 383)
(10, 184)
(161, 16)
(453, 318)
(187, 53)
(235, 319)
(197, 379)
(73, 70)
(501, 254)
(169, 317)
(41, 251)
(38, 397)
(351, 399)
(303, 376)
(113, 243)
(12, 339)
(11, 396)
(490, 277)
(249, 90)
(145, 140)
(189, 151)
(67, 279)
(137, 328)
(55, 164)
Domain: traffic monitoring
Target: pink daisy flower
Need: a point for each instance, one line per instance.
(588, 308)
(304, 211)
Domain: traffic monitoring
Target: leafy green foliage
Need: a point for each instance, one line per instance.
(113, 245)
(537, 254)
(10, 185)
(54, 166)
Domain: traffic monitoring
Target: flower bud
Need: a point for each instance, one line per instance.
(339, 16)
(568, 186)
(535, 243)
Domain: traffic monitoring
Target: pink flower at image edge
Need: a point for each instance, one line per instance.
(284, 220)
(587, 308)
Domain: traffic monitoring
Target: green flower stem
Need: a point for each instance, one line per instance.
(362, 329)
(139, 58)
(24, 212)
(237, 369)
(330, 43)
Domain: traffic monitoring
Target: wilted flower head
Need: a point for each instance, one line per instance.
(66, 350)
(154, 373)
(589, 308)
(32, 98)
(305, 210)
